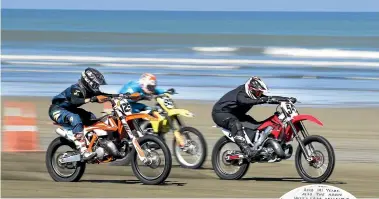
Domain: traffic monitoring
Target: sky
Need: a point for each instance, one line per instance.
(200, 5)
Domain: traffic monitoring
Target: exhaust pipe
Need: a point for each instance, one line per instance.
(73, 158)
(277, 148)
(290, 150)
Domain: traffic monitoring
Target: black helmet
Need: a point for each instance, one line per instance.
(91, 79)
(255, 87)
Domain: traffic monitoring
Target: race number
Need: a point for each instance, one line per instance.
(290, 109)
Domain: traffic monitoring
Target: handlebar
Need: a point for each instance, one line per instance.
(162, 95)
(149, 97)
(122, 96)
(135, 95)
(278, 99)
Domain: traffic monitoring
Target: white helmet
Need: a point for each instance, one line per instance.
(148, 82)
(255, 87)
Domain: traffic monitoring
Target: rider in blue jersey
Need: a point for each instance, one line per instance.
(64, 108)
(145, 86)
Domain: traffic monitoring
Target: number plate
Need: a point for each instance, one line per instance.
(290, 109)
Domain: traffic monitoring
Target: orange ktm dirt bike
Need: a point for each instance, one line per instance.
(112, 137)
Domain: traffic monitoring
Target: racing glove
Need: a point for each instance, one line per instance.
(99, 98)
(272, 100)
(171, 90)
(293, 100)
(263, 100)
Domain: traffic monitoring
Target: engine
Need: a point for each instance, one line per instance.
(107, 147)
(273, 152)
(100, 153)
(268, 154)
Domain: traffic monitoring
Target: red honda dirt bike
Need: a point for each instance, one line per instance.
(271, 138)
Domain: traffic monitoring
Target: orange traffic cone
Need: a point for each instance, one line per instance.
(20, 127)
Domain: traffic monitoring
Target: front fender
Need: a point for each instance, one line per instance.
(299, 118)
(144, 116)
(182, 112)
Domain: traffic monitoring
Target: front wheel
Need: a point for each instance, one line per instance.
(233, 170)
(63, 172)
(157, 168)
(321, 163)
(195, 149)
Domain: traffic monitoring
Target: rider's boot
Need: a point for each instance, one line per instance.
(241, 142)
(80, 144)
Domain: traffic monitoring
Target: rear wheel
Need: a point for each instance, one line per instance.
(321, 164)
(63, 172)
(227, 170)
(153, 172)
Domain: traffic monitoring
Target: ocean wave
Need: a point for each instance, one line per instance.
(328, 53)
(177, 62)
(178, 74)
(215, 49)
(118, 65)
(321, 53)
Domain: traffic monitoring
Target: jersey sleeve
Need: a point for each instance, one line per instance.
(159, 91)
(126, 89)
(242, 98)
(130, 88)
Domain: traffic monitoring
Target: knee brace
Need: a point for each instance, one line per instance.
(235, 127)
(75, 121)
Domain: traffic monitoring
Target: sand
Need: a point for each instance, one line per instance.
(353, 132)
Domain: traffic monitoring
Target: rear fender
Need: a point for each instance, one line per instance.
(226, 133)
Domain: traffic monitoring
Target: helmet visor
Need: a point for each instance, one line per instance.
(150, 88)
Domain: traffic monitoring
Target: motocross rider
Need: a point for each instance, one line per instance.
(230, 111)
(145, 86)
(64, 108)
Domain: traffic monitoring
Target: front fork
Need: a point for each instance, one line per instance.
(304, 133)
(177, 134)
(140, 152)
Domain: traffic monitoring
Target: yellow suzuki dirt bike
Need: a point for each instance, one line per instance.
(184, 146)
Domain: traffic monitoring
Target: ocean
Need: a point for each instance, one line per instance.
(321, 58)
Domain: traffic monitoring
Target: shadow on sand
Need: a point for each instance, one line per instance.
(166, 183)
(287, 179)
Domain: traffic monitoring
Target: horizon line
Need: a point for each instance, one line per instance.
(73, 9)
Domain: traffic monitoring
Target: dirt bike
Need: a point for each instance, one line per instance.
(111, 137)
(165, 109)
(271, 140)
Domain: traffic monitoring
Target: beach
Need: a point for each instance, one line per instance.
(352, 132)
(341, 125)
(327, 60)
